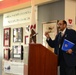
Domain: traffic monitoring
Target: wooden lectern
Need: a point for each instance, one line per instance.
(41, 61)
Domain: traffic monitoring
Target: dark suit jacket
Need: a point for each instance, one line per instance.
(70, 35)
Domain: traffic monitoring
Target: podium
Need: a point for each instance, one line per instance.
(41, 61)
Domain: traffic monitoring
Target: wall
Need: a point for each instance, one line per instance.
(15, 21)
(1, 42)
(70, 12)
(48, 12)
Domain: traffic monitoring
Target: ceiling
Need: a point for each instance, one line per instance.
(20, 5)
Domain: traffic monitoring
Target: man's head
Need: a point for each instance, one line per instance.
(62, 24)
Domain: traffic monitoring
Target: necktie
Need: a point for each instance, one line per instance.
(62, 34)
(59, 39)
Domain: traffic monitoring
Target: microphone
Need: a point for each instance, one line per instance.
(33, 35)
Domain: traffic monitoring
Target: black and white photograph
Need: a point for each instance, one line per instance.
(18, 34)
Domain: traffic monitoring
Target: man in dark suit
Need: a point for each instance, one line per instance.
(66, 59)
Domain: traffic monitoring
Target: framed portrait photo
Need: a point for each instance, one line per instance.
(7, 37)
(27, 39)
(51, 28)
(18, 34)
(17, 52)
(7, 54)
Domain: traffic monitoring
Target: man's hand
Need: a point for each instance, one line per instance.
(69, 51)
(47, 35)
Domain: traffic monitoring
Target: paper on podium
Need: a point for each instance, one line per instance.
(67, 45)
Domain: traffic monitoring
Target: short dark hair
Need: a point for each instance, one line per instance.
(64, 22)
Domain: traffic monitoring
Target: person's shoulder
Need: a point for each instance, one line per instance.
(71, 30)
